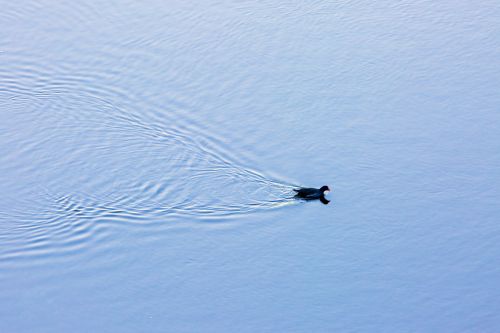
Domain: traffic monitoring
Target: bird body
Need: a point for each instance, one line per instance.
(309, 193)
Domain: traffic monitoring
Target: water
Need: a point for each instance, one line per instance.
(148, 151)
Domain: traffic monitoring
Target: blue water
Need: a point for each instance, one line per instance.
(148, 151)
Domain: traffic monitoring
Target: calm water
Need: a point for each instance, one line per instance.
(148, 151)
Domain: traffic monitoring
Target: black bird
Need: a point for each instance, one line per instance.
(308, 193)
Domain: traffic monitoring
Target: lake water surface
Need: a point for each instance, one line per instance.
(148, 152)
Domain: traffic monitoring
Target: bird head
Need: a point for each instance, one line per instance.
(324, 189)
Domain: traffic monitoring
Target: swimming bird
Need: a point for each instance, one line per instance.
(308, 193)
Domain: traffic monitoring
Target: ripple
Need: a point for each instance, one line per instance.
(89, 148)
(82, 165)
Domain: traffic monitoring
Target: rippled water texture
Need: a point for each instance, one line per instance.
(148, 152)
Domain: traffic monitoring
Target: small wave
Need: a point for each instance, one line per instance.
(91, 166)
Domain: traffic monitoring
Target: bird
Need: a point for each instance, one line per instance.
(309, 193)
